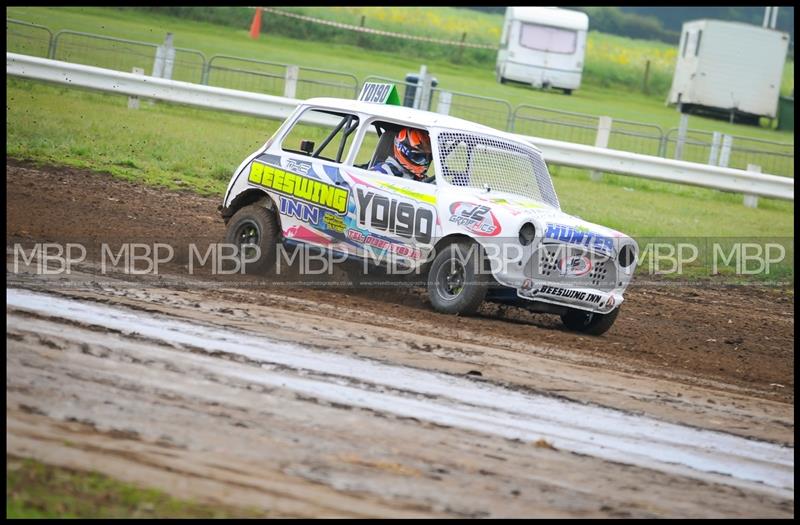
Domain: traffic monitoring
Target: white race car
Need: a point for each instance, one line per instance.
(483, 224)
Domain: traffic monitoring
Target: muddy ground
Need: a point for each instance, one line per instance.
(710, 357)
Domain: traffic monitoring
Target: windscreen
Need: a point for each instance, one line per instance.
(478, 161)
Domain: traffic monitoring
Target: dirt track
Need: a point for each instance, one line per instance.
(141, 409)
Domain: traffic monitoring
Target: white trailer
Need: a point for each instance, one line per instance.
(543, 46)
(729, 69)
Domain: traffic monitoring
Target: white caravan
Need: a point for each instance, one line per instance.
(543, 46)
(730, 69)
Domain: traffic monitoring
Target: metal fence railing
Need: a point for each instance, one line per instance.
(271, 78)
(315, 82)
(123, 55)
(625, 135)
(27, 39)
(776, 158)
(636, 137)
(245, 75)
(554, 124)
(488, 111)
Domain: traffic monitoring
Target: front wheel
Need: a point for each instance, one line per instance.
(457, 283)
(589, 322)
(250, 227)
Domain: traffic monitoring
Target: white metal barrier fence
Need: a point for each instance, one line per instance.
(556, 152)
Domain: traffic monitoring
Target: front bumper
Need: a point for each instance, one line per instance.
(590, 299)
(571, 277)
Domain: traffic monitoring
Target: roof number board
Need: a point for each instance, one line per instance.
(379, 93)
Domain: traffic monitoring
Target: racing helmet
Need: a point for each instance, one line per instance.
(412, 149)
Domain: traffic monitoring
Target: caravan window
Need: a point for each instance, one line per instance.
(547, 38)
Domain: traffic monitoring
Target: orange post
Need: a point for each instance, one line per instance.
(255, 27)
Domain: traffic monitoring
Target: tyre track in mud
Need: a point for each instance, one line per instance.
(526, 368)
(161, 379)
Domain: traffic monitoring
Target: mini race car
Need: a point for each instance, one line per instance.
(483, 224)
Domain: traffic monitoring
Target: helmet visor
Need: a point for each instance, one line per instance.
(418, 157)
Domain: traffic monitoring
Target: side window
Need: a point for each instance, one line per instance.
(321, 134)
(368, 147)
(456, 162)
(378, 149)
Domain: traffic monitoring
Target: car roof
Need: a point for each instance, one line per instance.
(411, 116)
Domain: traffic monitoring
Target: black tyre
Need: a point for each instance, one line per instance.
(567, 91)
(588, 322)
(254, 225)
(455, 284)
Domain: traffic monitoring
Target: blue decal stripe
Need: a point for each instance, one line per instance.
(333, 174)
(268, 158)
(309, 173)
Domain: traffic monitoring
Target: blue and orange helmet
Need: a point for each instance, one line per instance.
(412, 149)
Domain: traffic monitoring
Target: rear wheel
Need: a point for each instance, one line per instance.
(455, 283)
(254, 228)
(567, 91)
(589, 322)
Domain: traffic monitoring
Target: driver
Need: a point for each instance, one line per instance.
(410, 157)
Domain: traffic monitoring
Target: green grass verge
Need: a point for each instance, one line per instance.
(165, 145)
(625, 102)
(38, 490)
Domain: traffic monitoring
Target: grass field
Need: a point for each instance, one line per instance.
(619, 103)
(38, 490)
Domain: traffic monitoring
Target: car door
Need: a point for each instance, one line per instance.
(394, 218)
(303, 177)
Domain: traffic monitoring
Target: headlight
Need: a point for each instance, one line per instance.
(626, 256)
(527, 234)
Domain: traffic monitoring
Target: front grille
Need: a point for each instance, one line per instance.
(566, 265)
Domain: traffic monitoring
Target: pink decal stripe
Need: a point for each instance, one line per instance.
(303, 233)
